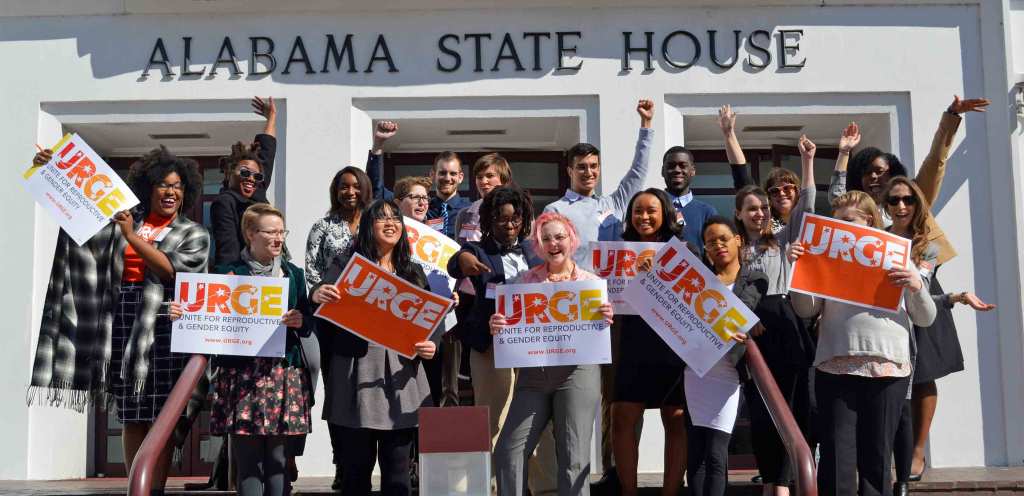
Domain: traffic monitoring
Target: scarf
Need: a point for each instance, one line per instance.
(71, 367)
(259, 269)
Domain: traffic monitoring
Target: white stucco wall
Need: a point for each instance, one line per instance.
(903, 61)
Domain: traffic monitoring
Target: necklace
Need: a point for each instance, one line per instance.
(563, 276)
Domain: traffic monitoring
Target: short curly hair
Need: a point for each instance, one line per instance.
(239, 153)
(521, 203)
(151, 169)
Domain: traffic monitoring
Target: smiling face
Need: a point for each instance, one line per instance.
(447, 177)
(782, 197)
(167, 195)
(487, 180)
(584, 173)
(875, 177)
(414, 204)
(246, 177)
(555, 244)
(678, 170)
(754, 214)
(348, 192)
(901, 205)
(647, 216)
(388, 229)
(507, 224)
(851, 215)
(266, 238)
(721, 245)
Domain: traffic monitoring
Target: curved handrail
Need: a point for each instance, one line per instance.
(140, 479)
(789, 431)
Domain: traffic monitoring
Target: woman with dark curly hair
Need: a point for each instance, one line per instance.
(105, 328)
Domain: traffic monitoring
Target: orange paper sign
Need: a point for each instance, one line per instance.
(849, 263)
(381, 307)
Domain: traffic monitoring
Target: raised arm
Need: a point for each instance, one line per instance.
(266, 142)
(848, 140)
(383, 131)
(933, 169)
(733, 151)
(808, 192)
(634, 178)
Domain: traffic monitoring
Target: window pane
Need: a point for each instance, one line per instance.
(712, 175)
(542, 175)
(212, 181)
(115, 450)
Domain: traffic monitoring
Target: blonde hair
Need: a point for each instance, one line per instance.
(862, 203)
(253, 214)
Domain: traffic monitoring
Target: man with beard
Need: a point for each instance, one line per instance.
(678, 170)
(445, 202)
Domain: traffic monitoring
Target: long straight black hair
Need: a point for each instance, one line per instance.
(366, 246)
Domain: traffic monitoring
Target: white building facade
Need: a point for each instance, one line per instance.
(531, 76)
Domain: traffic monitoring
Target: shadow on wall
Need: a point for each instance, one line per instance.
(430, 48)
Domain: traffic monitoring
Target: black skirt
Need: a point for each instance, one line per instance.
(938, 347)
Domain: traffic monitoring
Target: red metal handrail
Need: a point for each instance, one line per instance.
(140, 479)
(789, 431)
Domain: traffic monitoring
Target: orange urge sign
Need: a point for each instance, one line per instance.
(381, 307)
(849, 263)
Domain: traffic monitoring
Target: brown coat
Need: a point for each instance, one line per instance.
(929, 179)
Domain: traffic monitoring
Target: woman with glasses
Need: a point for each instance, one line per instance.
(260, 403)
(106, 302)
(372, 393)
(567, 396)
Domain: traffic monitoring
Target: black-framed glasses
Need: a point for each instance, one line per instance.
(908, 200)
(246, 174)
(417, 198)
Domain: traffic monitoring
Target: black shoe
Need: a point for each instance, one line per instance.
(917, 477)
(336, 485)
(608, 484)
(757, 479)
(900, 489)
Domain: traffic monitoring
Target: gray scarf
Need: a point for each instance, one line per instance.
(259, 269)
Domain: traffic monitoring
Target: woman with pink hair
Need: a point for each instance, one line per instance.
(567, 396)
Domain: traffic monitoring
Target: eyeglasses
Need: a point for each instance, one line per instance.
(908, 200)
(509, 221)
(723, 241)
(388, 220)
(417, 198)
(175, 186)
(246, 174)
(282, 233)
(779, 190)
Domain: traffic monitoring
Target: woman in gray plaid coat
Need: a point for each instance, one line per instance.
(105, 332)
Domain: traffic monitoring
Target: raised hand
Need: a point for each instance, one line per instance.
(726, 120)
(806, 147)
(645, 108)
(970, 105)
(384, 130)
(264, 108)
(849, 138)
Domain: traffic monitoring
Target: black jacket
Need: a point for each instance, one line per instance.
(476, 332)
(229, 205)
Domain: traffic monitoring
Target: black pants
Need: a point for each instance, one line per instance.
(434, 369)
(903, 449)
(707, 464)
(364, 447)
(858, 423)
(773, 461)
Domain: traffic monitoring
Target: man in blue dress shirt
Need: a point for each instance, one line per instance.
(678, 169)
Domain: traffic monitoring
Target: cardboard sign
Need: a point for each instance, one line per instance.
(432, 248)
(383, 308)
(78, 188)
(689, 308)
(230, 315)
(849, 263)
(552, 324)
(618, 262)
